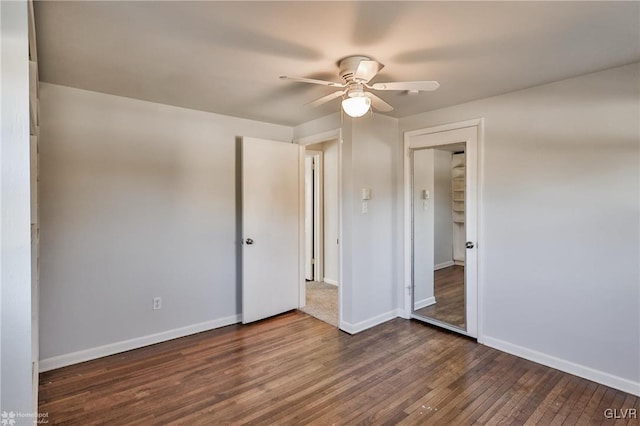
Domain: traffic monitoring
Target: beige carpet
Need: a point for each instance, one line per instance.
(322, 302)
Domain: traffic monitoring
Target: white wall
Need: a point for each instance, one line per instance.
(370, 159)
(15, 234)
(374, 149)
(442, 204)
(137, 200)
(560, 215)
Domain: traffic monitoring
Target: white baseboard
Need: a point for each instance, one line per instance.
(444, 265)
(588, 373)
(330, 281)
(458, 262)
(404, 314)
(366, 324)
(138, 342)
(424, 303)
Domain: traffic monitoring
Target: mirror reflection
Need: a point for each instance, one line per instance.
(439, 234)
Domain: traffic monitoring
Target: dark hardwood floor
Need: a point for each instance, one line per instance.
(294, 369)
(448, 288)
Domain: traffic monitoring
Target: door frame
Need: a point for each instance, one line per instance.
(327, 136)
(411, 143)
(318, 213)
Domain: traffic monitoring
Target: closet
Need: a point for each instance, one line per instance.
(458, 206)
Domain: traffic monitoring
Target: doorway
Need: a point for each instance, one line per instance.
(313, 215)
(441, 226)
(321, 230)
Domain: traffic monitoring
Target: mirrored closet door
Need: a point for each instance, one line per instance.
(444, 274)
(439, 234)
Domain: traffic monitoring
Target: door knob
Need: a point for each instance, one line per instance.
(249, 241)
(469, 245)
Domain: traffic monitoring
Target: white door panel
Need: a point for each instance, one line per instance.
(270, 228)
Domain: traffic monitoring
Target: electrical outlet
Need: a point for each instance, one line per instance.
(157, 303)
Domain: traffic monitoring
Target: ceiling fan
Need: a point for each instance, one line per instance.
(356, 73)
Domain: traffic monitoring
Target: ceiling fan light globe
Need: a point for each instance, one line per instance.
(356, 106)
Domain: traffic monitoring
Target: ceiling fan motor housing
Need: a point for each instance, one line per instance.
(348, 67)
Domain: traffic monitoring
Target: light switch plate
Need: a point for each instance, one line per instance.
(366, 193)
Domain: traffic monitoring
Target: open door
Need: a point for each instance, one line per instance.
(309, 217)
(271, 196)
(313, 215)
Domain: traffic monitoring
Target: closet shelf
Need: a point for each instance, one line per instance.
(458, 196)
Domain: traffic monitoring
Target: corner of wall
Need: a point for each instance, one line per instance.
(369, 323)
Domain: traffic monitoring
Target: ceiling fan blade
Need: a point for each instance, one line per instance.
(425, 86)
(325, 99)
(312, 81)
(378, 103)
(367, 70)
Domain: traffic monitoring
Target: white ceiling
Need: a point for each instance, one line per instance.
(225, 57)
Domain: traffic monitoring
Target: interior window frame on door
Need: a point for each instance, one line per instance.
(471, 132)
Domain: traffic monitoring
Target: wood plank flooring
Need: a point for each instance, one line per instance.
(448, 288)
(294, 369)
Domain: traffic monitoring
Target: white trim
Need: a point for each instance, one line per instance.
(425, 302)
(404, 314)
(366, 324)
(445, 264)
(408, 237)
(330, 281)
(320, 137)
(302, 289)
(588, 373)
(476, 122)
(138, 342)
(341, 255)
(480, 230)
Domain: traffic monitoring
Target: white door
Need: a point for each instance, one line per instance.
(271, 209)
(308, 217)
